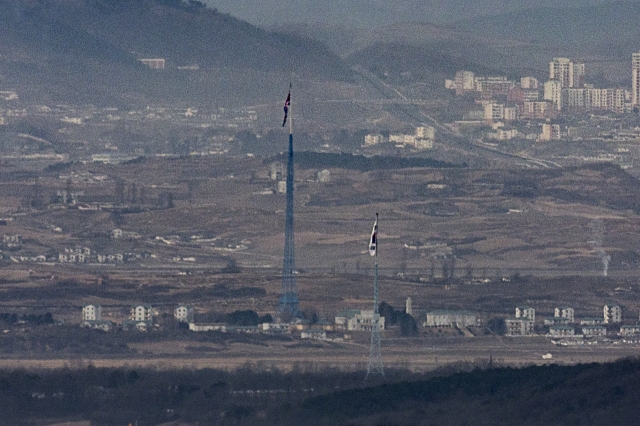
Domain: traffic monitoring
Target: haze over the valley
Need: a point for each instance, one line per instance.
(379, 12)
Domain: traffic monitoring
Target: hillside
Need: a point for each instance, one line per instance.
(584, 394)
(376, 13)
(88, 51)
(610, 29)
(548, 395)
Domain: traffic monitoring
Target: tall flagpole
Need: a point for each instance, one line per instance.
(288, 303)
(375, 366)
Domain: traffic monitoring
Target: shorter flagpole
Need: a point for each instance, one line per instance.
(375, 365)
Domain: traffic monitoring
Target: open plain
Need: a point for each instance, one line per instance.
(209, 232)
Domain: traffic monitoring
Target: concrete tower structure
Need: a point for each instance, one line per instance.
(635, 79)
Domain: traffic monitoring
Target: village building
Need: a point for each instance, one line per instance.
(629, 330)
(447, 318)
(519, 326)
(594, 330)
(357, 320)
(561, 331)
(612, 314)
(565, 312)
(183, 313)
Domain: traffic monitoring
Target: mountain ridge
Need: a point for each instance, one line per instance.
(45, 37)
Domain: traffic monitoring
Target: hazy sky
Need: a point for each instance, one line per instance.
(366, 13)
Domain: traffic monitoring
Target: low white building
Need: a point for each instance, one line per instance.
(594, 330)
(276, 327)
(591, 321)
(313, 334)
(373, 139)
(207, 327)
(630, 330)
(447, 318)
(561, 331)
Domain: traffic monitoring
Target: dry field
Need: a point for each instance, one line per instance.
(547, 232)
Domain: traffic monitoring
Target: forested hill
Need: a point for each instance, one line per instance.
(587, 394)
(70, 44)
(551, 395)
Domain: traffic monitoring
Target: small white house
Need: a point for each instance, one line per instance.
(91, 313)
(183, 313)
(142, 312)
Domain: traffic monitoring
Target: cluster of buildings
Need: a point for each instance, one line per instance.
(141, 317)
(347, 320)
(422, 138)
(85, 255)
(503, 101)
(562, 324)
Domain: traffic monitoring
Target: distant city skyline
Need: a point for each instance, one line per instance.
(364, 13)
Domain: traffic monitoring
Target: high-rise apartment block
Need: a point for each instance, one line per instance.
(529, 83)
(553, 93)
(567, 72)
(635, 79)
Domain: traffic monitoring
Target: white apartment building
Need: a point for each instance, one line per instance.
(92, 313)
(464, 81)
(550, 132)
(529, 83)
(183, 313)
(612, 314)
(142, 313)
(535, 109)
(635, 79)
(491, 86)
(564, 312)
(553, 93)
(526, 312)
(493, 111)
(567, 72)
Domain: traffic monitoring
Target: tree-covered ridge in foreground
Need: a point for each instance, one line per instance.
(586, 394)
